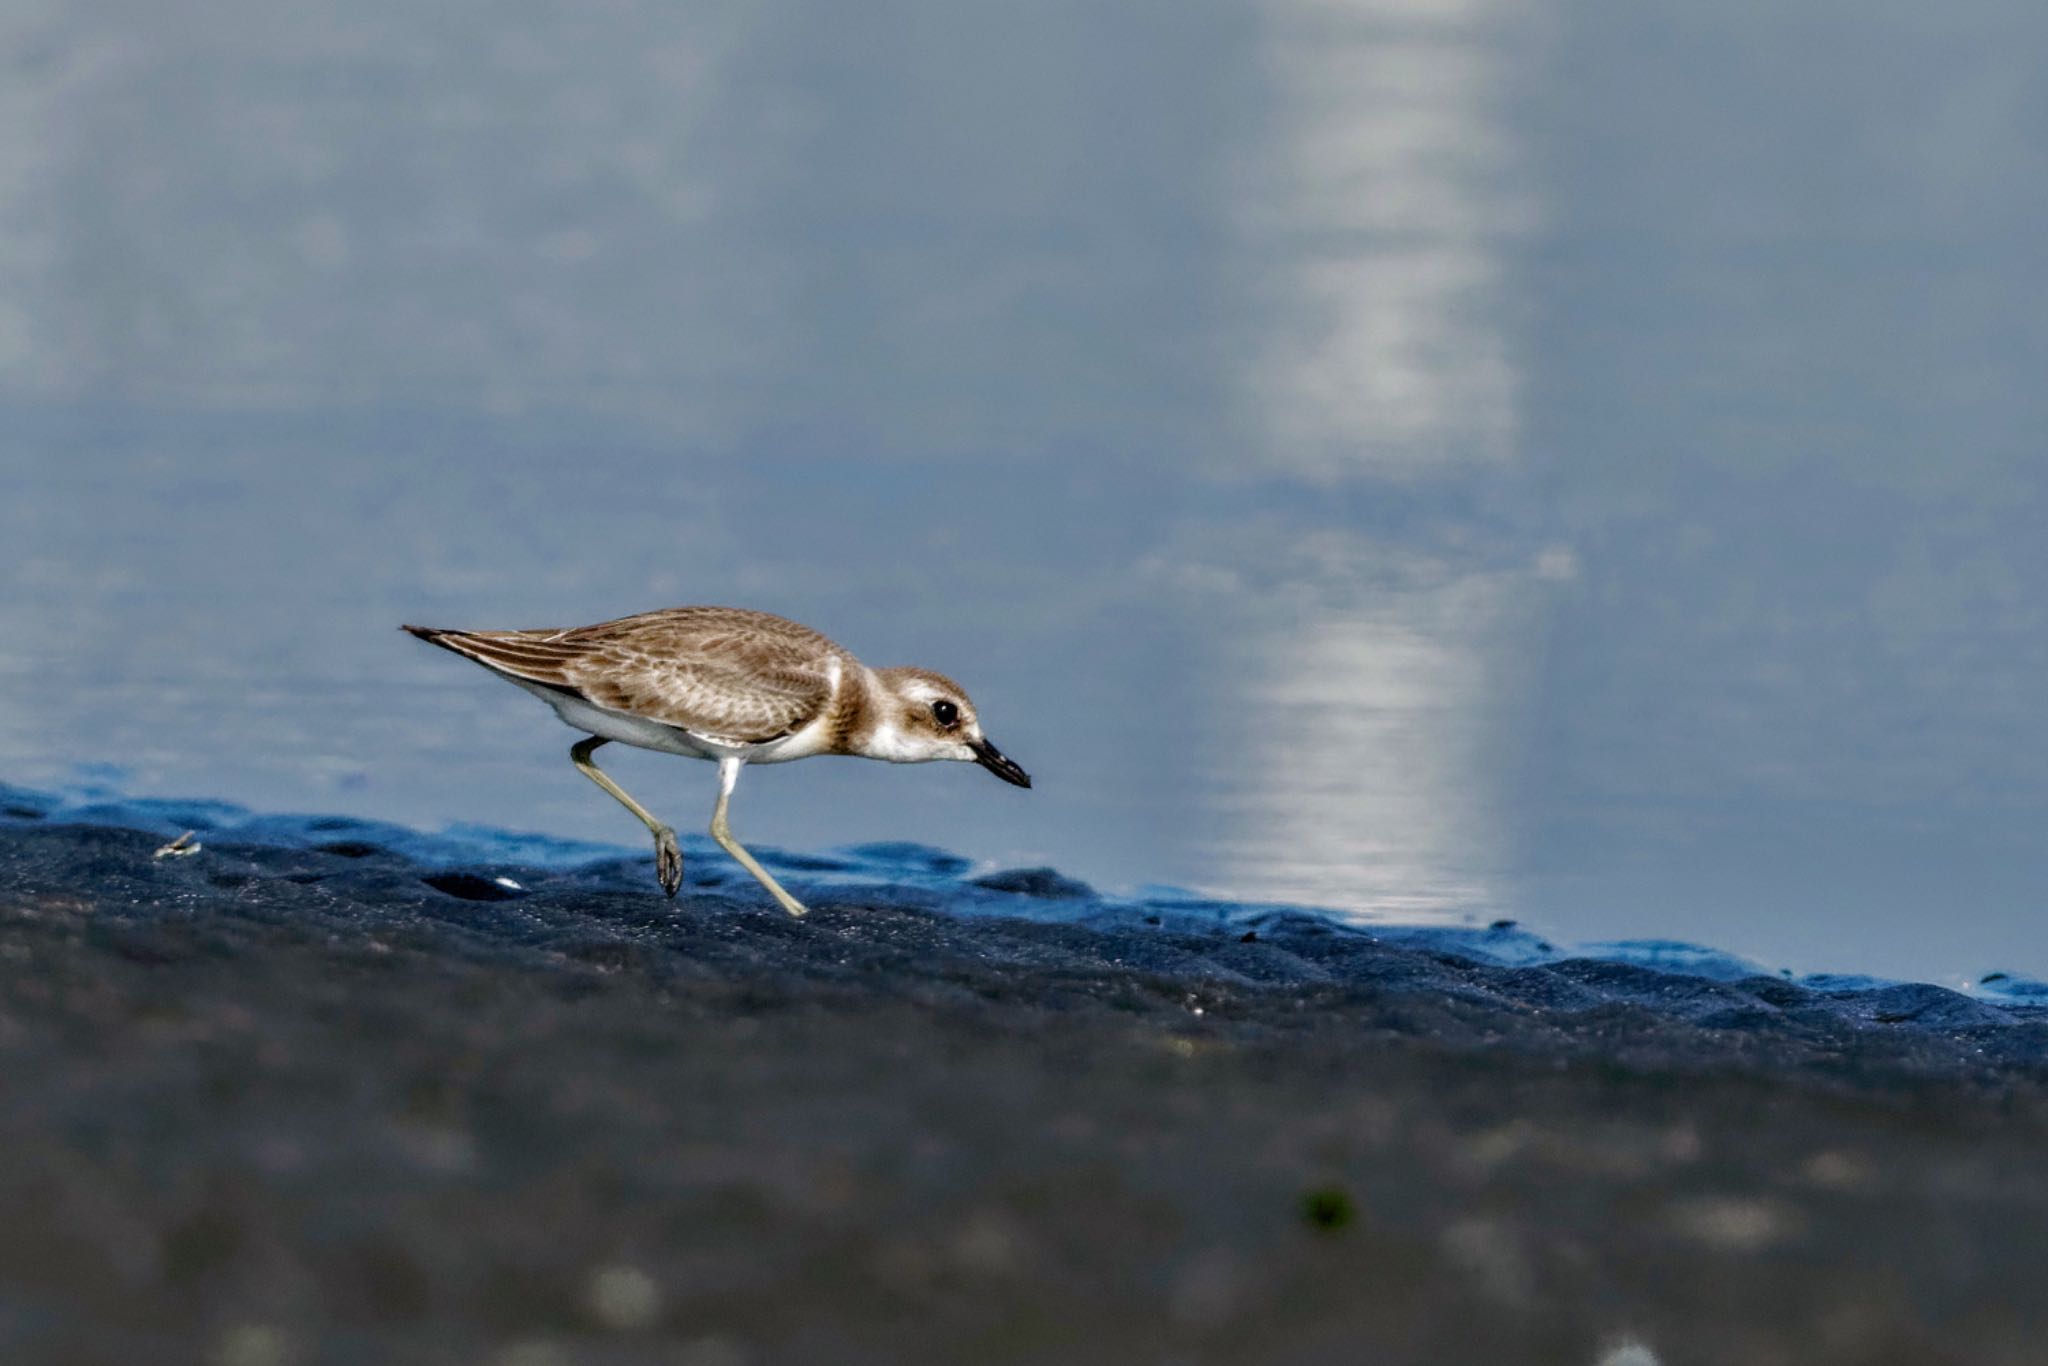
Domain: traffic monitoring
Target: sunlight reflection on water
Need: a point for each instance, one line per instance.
(1381, 205)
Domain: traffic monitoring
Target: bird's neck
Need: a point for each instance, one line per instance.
(857, 711)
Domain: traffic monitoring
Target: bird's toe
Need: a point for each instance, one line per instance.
(668, 862)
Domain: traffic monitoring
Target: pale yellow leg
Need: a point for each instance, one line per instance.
(668, 855)
(728, 774)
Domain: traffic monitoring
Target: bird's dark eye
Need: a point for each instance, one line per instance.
(945, 713)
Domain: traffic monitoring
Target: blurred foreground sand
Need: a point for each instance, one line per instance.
(243, 1123)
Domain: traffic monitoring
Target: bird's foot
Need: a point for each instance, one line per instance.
(668, 860)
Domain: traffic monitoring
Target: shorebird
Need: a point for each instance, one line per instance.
(733, 686)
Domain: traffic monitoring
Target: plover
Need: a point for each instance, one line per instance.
(733, 686)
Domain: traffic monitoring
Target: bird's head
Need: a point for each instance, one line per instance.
(928, 716)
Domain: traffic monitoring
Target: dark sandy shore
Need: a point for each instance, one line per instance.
(273, 1105)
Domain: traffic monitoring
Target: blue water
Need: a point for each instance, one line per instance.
(1438, 460)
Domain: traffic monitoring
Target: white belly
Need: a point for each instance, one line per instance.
(627, 730)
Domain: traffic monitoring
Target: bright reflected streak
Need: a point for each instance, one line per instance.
(1380, 206)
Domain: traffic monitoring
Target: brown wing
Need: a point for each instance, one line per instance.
(714, 671)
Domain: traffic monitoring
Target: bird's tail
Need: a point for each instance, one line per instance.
(530, 655)
(435, 635)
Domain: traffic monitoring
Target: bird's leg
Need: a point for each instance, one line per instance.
(668, 855)
(728, 774)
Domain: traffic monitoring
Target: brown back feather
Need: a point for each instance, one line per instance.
(715, 671)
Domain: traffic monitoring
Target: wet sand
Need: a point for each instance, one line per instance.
(273, 1105)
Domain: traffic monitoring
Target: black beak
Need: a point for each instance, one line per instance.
(998, 763)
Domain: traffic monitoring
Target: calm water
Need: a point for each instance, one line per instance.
(1432, 458)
